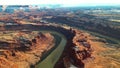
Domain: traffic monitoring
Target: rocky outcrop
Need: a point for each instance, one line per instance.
(82, 49)
(82, 43)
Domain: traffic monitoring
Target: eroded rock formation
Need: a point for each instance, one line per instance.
(26, 51)
(82, 48)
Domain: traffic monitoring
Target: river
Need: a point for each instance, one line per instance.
(53, 57)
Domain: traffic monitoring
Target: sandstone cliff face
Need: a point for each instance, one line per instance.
(82, 48)
(27, 54)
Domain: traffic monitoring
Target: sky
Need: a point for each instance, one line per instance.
(64, 2)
